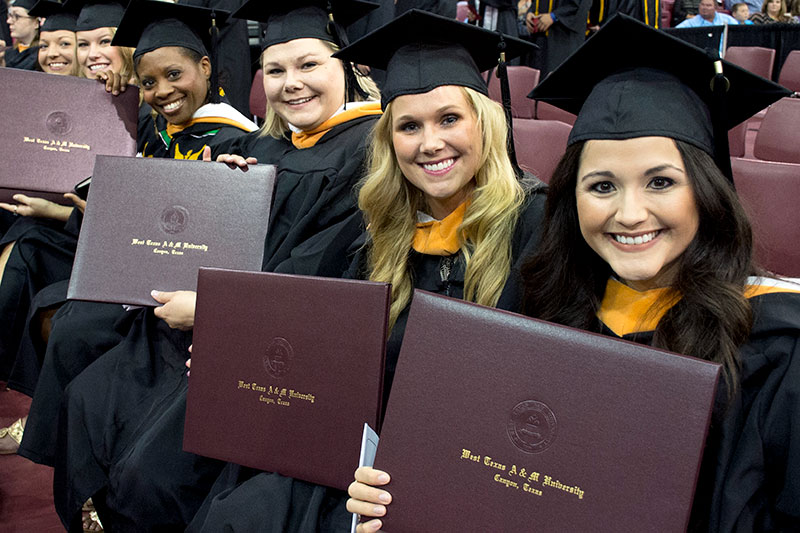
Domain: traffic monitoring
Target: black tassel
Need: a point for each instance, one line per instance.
(352, 86)
(719, 111)
(505, 92)
(214, 96)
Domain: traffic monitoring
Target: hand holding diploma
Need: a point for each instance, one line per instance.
(366, 499)
(177, 309)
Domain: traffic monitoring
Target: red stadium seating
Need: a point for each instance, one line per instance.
(736, 139)
(778, 138)
(521, 80)
(769, 192)
(756, 59)
(790, 71)
(545, 111)
(258, 100)
(540, 145)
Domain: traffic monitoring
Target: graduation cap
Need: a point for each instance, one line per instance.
(149, 24)
(661, 86)
(421, 51)
(57, 16)
(97, 13)
(24, 4)
(298, 19)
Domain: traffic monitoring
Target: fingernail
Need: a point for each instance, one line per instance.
(384, 497)
(383, 478)
(378, 509)
(154, 294)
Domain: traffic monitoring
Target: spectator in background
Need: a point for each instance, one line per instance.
(794, 9)
(741, 12)
(772, 11)
(707, 15)
(558, 27)
(684, 10)
(754, 6)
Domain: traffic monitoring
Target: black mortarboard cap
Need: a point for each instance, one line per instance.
(287, 20)
(97, 13)
(57, 16)
(421, 51)
(24, 4)
(149, 24)
(657, 86)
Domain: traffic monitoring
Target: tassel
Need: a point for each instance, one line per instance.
(719, 106)
(213, 96)
(505, 92)
(352, 86)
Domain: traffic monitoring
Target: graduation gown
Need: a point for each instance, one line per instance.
(83, 331)
(566, 34)
(25, 60)
(751, 465)
(243, 499)
(124, 439)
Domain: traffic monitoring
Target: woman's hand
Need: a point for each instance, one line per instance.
(31, 206)
(366, 499)
(79, 202)
(3, 49)
(177, 309)
(114, 82)
(236, 161)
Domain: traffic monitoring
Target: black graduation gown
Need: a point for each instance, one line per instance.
(565, 35)
(83, 331)
(243, 499)
(750, 475)
(127, 444)
(25, 60)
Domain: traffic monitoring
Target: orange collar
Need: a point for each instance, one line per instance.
(307, 139)
(625, 310)
(440, 237)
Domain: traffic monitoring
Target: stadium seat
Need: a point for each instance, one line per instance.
(790, 71)
(521, 80)
(258, 100)
(769, 192)
(756, 59)
(545, 111)
(736, 139)
(540, 145)
(778, 138)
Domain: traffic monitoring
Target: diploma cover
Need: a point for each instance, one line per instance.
(498, 422)
(151, 223)
(54, 126)
(285, 372)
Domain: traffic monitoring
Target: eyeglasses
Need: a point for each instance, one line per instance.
(15, 17)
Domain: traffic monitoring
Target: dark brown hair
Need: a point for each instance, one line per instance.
(565, 279)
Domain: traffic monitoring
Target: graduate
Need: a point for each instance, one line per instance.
(25, 30)
(57, 45)
(653, 246)
(443, 211)
(133, 397)
(174, 69)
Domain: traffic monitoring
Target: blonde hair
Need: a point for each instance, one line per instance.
(127, 72)
(390, 202)
(277, 127)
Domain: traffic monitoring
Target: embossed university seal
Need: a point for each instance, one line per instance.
(278, 359)
(174, 219)
(532, 426)
(59, 123)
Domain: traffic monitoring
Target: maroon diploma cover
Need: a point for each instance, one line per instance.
(151, 223)
(285, 372)
(54, 126)
(498, 422)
